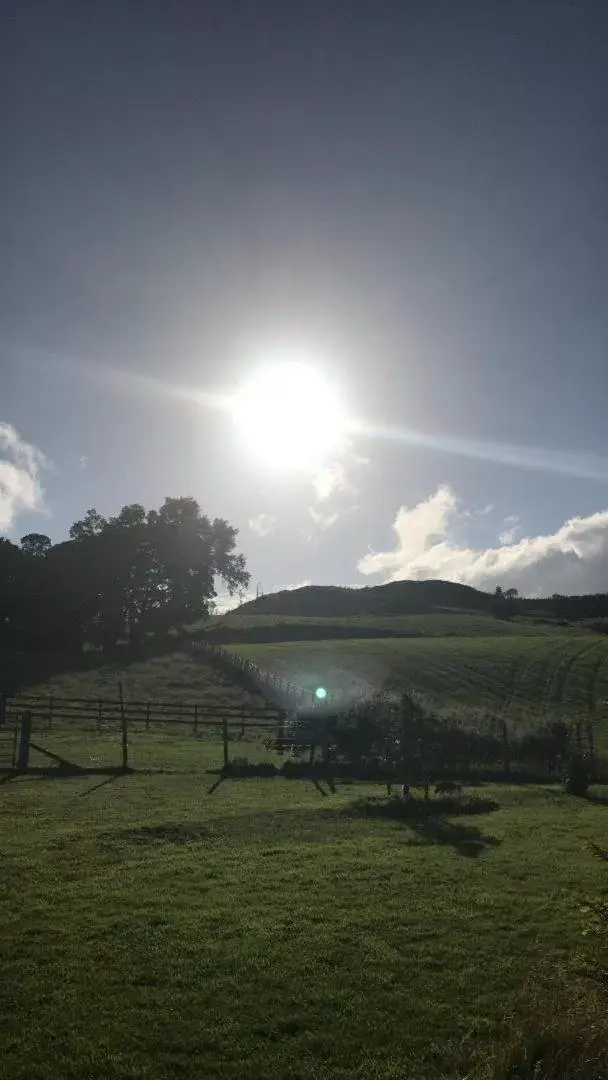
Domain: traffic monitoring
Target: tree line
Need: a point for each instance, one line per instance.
(117, 579)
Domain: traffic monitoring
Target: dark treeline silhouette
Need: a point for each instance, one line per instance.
(118, 579)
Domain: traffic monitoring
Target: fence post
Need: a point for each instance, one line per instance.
(195, 719)
(148, 716)
(2, 710)
(50, 713)
(99, 716)
(591, 741)
(507, 751)
(406, 719)
(15, 737)
(225, 740)
(123, 725)
(24, 741)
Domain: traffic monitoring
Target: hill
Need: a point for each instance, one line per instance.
(398, 597)
(419, 597)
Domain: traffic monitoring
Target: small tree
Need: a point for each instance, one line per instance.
(35, 545)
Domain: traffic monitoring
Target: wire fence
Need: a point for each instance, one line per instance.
(272, 686)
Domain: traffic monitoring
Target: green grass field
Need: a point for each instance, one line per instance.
(176, 676)
(546, 675)
(152, 930)
(437, 624)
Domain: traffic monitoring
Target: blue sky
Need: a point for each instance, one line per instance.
(414, 193)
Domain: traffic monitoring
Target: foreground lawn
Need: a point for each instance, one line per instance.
(152, 930)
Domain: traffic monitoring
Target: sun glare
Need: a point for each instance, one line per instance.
(288, 415)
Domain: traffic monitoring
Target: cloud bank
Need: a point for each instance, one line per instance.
(574, 559)
(20, 465)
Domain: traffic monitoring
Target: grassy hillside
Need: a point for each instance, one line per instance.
(176, 676)
(268, 931)
(245, 626)
(552, 674)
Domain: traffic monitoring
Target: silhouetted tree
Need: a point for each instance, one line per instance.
(36, 545)
(118, 578)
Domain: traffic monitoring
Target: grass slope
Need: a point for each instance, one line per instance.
(542, 675)
(238, 626)
(176, 676)
(150, 930)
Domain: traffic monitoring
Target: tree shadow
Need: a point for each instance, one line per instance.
(597, 800)
(429, 820)
(465, 839)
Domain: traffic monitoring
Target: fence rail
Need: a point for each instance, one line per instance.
(26, 714)
(106, 712)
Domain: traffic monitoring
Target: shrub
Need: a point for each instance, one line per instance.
(578, 776)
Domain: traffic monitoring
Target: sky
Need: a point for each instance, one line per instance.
(410, 195)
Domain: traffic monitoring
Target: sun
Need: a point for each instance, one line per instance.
(288, 415)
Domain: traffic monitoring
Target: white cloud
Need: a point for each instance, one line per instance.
(480, 511)
(331, 479)
(511, 529)
(574, 559)
(263, 524)
(334, 488)
(323, 520)
(20, 465)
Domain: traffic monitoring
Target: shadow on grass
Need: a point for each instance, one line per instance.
(102, 783)
(428, 820)
(75, 772)
(597, 800)
(465, 839)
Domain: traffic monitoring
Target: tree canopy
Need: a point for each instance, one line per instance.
(116, 579)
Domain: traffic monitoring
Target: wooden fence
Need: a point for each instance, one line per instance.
(25, 715)
(104, 713)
